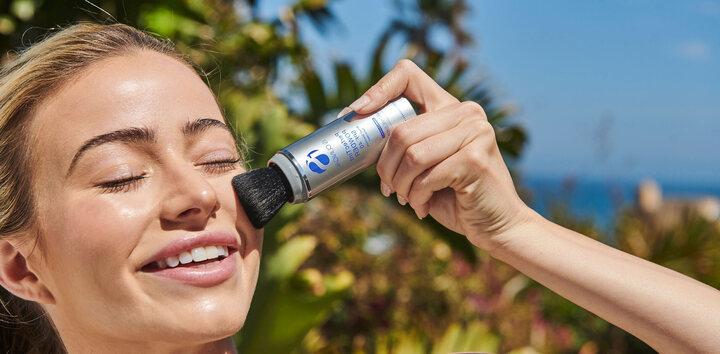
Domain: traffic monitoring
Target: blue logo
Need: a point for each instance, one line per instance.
(314, 163)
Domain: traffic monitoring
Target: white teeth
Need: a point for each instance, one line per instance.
(198, 254)
(172, 261)
(185, 257)
(212, 252)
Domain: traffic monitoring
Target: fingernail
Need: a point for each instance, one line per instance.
(401, 200)
(385, 189)
(344, 111)
(418, 214)
(360, 103)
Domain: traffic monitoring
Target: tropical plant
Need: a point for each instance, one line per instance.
(352, 271)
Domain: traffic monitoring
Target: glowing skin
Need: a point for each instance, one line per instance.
(96, 238)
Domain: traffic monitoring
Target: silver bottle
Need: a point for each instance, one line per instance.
(338, 150)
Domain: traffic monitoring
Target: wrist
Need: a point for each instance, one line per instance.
(525, 220)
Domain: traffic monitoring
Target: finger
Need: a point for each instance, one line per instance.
(442, 207)
(418, 129)
(429, 152)
(409, 133)
(405, 79)
(455, 172)
(430, 181)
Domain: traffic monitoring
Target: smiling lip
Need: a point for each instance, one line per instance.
(205, 274)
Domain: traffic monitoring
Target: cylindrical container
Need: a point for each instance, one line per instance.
(338, 150)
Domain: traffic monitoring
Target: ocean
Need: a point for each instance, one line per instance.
(600, 199)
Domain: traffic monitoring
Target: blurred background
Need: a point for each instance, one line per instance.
(608, 114)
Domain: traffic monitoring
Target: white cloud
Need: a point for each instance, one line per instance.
(695, 50)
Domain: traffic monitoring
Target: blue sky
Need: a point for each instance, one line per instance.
(606, 89)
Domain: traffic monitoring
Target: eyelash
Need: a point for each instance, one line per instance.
(130, 183)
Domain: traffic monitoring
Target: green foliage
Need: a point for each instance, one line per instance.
(475, 337)
(298, 302)
(351, 271)
(691, 248)
(239, 55)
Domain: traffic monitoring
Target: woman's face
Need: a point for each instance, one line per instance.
(132, 169)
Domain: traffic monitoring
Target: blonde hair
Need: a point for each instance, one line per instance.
(25, 81)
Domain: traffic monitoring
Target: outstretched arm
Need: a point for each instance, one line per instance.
(446, 164)
(669, 311)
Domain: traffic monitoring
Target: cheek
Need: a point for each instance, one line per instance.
(93, 236)
(231, 205)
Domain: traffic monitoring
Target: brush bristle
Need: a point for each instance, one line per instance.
(262, 192)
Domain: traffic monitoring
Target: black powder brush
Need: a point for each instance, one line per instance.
(262, 192)
(320, 160)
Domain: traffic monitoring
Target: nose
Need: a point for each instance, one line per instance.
(190, 201)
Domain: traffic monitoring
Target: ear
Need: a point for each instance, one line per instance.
(17, 278)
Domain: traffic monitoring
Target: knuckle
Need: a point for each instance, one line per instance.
(486, 129)
(414, 156)
(400, 136)
(474, 109)
(477, 158)
(481, 130)
(383, 87)
(405, 65)
(378, 90)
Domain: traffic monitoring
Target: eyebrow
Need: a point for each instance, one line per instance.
(136, 135)
(200, 125)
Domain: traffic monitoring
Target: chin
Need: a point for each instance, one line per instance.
(201, 315)
(219, 328)
(211, 321)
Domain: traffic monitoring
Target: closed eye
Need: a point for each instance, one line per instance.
(220, 166)
(130, 183)
(125, 184)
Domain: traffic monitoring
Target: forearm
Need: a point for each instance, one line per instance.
(667, 310)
